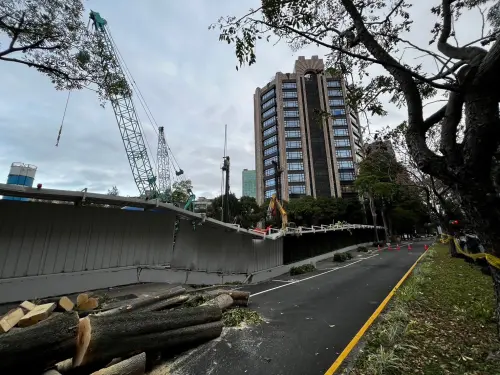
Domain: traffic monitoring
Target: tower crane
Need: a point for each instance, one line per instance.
(120, 96)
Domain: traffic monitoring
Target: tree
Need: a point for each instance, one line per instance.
(114, 191)
(361, 34)
(51, 37)
(181, 191)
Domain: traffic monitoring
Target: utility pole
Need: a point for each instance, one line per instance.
(225, 204)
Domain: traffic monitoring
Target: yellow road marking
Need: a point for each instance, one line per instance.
(369, 322)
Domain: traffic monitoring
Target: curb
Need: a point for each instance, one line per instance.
(355, 340)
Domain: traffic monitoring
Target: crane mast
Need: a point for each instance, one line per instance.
(120, 96)
(163, 160)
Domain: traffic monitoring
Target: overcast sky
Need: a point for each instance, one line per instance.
(189, 81)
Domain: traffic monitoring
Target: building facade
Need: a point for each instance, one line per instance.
(249, 183)
(315, 154)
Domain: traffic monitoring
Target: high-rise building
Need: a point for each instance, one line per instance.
(315, 154)
(249, 183)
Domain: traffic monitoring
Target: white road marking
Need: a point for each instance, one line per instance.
(311, 277)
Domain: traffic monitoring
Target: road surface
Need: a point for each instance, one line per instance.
(309, 319)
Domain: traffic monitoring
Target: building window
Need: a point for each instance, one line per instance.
(290, 104)
(270, 182)
(336, 102)
(271, 150)
(289, 85)
(291, 113)
(297, 189)
(292, 123)
(340, 132)
(270, 141)
(269, 193)
(339, 122)
(270, 131)
(292, 133)
(296, 177)
(294, 155)
(269, 103)
(333, 83)
(338, 112)
(269, 112)
(345, 164)
(293, 144)
(343, 153)
(347, 176)
(268, 95)
(289, 94)
(334, 92)
(348, 189)
(269, 122)
(270, 161)
(342, 143)
(295, 166)
(269, 172)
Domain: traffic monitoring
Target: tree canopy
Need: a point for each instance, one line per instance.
(360, 34)
(180, 191)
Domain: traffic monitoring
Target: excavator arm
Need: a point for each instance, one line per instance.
(274, 204)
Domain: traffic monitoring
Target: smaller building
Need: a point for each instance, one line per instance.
(249, 183)
(200, 206)
(23, 175)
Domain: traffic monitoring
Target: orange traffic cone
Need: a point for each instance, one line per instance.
(398, 248)
(389, 247)
(409, 246)
(379, 249)
(426, 247)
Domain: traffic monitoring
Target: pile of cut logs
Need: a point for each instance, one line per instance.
(124, 337)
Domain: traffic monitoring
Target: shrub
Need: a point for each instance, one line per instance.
(340, 257)
(362, 249)
(305, 268)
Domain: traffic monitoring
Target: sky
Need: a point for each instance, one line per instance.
(189, 81)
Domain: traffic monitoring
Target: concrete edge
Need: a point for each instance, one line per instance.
(264, 275)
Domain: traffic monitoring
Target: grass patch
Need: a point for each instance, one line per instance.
(440, 322)
(239, 316)
(305, 268)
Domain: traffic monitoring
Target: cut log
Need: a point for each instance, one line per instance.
(89, 304)
(52, 372)
(222, 301)
(39, 313)
(41, 346)
(138, 303)
(135, 365)
(81, 299)
(10, 319)
(102, 337)
(27, 306)
(235, 294)
(65, 304)
(240, 302)
(161, 305)
(64, 366)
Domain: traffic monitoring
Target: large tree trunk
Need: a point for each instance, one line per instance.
(103, 337)
(40, 346)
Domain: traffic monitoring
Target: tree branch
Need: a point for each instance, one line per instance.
(452, 117)
(44, 68)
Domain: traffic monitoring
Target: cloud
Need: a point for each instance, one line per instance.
(189, 82)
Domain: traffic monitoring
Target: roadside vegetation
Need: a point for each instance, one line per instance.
(440, 322)
(299, 270)
(342, 257)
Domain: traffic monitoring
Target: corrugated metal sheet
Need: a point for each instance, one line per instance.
(267, 254)
(41, 239)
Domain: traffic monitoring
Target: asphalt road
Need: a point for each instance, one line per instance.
(309, 319)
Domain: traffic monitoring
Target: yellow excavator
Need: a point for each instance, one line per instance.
(275, 205)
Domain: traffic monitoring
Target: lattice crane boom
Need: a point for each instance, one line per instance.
(163, 161)
(120, 96)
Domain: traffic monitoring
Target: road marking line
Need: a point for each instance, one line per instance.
(311, 277)
(370, 321)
